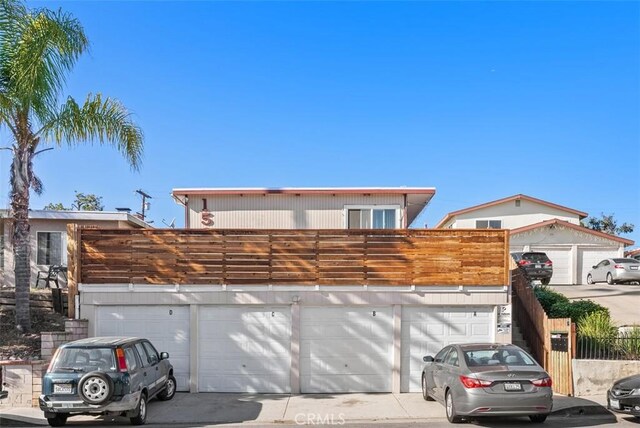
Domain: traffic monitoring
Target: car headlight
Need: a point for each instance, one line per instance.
(635, 392)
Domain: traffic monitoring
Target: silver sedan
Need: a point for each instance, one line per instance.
(473, 380)
(614, 271)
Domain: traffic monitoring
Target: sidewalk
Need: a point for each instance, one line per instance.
(210, 408)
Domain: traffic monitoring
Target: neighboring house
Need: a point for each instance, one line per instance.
(634, 254)
(283, 291)
(49, 237)
(538, 225)
(303, 208)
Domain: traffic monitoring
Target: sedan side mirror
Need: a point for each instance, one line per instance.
(595, 267)
(164, 355)
(428, 359)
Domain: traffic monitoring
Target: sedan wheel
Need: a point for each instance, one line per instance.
(452, 416)
(538, 419)
(589, 279)
(610, 279)
(425, 390)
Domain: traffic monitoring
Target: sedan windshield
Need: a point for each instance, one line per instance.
(84, 360)
(626, 261)
(497, 357)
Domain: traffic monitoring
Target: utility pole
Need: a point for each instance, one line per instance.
(144, 196)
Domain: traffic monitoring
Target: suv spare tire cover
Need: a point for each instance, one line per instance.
(95, 388)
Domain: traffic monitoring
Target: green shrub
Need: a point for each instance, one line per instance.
(575, 310)
(547, 298)
(597, 326)
(630, 343)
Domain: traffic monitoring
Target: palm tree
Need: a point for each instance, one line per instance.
(38, 49)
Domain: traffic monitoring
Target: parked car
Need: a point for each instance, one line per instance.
(482, 379)
(624, 396)
(105, 375)
(536, 265)
(614, 271)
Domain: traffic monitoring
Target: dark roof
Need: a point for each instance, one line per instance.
(101, 341)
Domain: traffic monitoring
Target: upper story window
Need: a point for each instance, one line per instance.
(372, 218)
(488, 224)
(49, 248)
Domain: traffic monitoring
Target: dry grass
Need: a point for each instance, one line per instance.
(17, 346)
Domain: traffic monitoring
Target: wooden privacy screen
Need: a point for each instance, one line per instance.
(300, 257)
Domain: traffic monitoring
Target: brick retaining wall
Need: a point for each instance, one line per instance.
(23, 379)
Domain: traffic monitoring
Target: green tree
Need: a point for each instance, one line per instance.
(608, 224)
(56, 207)
(38, 49)
(88, 202)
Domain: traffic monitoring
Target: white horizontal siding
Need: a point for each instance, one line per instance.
(281, 211)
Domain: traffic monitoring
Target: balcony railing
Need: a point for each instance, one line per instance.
(291, 257)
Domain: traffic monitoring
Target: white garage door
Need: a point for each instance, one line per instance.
(167, 327)
(426, 330)
(561, 263)
(589, 257)
(346, 349)
(244, 349)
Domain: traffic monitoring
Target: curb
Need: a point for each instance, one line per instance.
(587, 410)
(21, 421)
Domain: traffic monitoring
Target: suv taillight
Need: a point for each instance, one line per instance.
(122, 361)
(524, 262)
(53, 360)
(543, 382)
(549, 263)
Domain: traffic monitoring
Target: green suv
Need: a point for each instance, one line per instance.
(105, 375)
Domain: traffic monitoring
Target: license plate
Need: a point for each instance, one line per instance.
(633, 267)
(614, 403)
(538, 266)
(64, 388)
(512, 386)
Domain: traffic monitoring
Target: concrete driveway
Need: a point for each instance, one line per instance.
(277, 410)
(622, 300)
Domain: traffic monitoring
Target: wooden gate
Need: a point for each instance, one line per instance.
(559, 345)
(552, 341)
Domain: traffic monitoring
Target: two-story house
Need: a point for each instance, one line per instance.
(538, 225)
(297, 290)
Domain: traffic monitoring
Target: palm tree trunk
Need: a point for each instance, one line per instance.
(21, 249)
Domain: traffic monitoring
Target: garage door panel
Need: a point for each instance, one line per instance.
(589, 257)
(345, 349)
(167, 327)
(561, 258)
(426, 330)
(244, 349)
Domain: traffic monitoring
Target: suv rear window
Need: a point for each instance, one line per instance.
(535, 257)
(84, 360)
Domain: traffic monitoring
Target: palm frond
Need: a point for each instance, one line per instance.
(40, 48)
(103, 121)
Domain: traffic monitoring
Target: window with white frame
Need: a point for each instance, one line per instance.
(49, 248)
(372, 218)
(488, 224)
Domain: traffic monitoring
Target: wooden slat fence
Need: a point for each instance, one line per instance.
(551, 341)
(300, 257)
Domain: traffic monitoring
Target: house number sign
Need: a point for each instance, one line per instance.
(206, 218)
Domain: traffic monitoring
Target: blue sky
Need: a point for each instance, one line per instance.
(480, 100)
